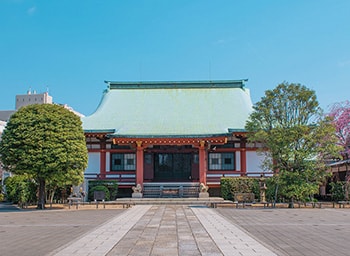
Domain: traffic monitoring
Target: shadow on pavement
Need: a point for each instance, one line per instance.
(8, 207)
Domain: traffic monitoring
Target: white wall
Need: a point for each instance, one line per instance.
(238, 160)
(254, 162)
(108, 166)
(93, 163)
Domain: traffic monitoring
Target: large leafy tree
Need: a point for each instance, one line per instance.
(340, 113)
(288, 121)
(47, 142)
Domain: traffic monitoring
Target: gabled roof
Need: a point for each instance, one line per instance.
(156, 109)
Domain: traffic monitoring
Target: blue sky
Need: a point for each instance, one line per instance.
(71, 47)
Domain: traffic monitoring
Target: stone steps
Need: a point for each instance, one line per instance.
(156, 189)
(174, 201)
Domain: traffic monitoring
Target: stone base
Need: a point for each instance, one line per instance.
(136, 195)
(203, 194)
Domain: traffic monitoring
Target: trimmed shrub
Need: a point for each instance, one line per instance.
(111, 185)
(338, 190)
(271, 185)
(99, 188)
(2, 197)
(230, 186)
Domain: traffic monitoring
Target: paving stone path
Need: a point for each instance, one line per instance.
(101, 240)
(228, 237)
(166, 230)
(175, 230)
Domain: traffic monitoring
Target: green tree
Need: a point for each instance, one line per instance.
(297, 138)
(20, 189)
(47, 142)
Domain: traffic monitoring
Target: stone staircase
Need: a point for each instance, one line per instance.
(206, 202)
(170, 190)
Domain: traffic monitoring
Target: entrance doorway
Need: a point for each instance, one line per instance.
(172, 166)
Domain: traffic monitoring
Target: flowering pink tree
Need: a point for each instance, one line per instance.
(340, 112)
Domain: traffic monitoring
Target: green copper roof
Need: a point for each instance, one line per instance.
(155, 109)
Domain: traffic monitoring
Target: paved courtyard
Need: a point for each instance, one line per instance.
(296, 231)
(175, 230)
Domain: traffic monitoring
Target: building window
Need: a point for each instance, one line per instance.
(123, 162)
(214, 161)
(221, 161)
(117, 162)
(130, 162)
(227, 161)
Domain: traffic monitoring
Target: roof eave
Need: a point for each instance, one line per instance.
(168, 136)
(177, 84)
(232, 130)
(107, 131)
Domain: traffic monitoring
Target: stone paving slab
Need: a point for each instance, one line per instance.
(39, 232)
(228, 237)
(167, 230)
(183, 230)
(296, 232)
(101, 240)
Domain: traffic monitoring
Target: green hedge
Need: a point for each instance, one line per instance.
(230, 186)
(110, 185)
(99, 188)
(271, 184)
(20, 189)
(2, 196)
(338, 190)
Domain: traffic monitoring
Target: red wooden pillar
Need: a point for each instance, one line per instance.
(202, 163)
(139, 163)
(243, 157)
(103, 158)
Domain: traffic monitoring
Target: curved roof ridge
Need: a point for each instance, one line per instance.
(177, 84)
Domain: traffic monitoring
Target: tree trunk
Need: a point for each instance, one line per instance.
(41, 199)
(276, 193)
(52, 194)
(291, 203)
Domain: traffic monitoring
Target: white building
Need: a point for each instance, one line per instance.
(32, 98)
